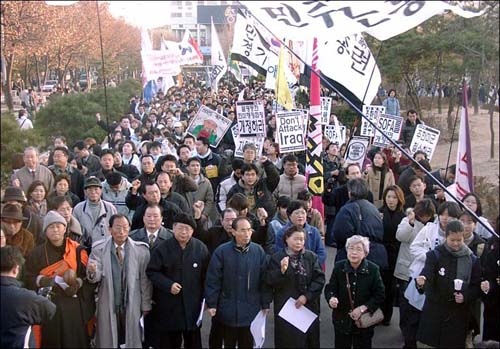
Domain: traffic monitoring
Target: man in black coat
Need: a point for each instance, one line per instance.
(21, 308)
(152, 233)
(128, 170)
(151, 196)
(177, 269)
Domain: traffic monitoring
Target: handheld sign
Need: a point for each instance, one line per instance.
(251, 118)
(426, 139)
(372, 112)
(239, 143)
(333, 136)
(210, 124)
(326, 108)
(290, 131)
(391, 126)
(356, 150)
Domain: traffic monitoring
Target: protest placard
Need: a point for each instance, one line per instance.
(326, 109)
(391, 126)
(160, 63)
(372, 112)
(251, 118)
(305, 117)
(356, 150)
(290, 131)
(333, 136)
(426, 139)
(210, 124)
(239, 143)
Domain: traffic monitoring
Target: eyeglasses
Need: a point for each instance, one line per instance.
(356, 249)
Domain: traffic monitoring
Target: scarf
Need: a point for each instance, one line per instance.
(299, 270)
(464, 261)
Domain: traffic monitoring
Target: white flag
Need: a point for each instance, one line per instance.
(381, 19)
(219, 65)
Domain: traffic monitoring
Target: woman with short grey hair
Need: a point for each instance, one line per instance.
(355, 239)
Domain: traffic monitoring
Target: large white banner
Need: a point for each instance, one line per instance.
(251, 118)
(219, 64)
(372, 112)
(290, 131)
(326, 109)
(160, 63)
(391, 126)
(425, 139)
(356, 151)
(381, 19)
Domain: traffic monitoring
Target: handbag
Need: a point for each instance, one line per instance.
(366, 319)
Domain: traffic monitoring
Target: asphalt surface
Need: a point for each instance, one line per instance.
(385, 336)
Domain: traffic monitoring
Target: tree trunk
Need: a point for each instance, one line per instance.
(25, 72)
(492, 128)
(413, 95)
(474, 85)
(65, 69)
(8, 82)
(37, 68)
(46, 69)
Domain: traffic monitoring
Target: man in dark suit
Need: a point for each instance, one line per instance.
(152, 233)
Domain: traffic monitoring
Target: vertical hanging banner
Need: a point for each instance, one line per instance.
(314, 161)
(425, 139)
(464, 180)
(218, 60)
(334, 136)
(251, 118)
(391, 126)
(290, 131)
(371, 112)
(356, 150)
(326, 109)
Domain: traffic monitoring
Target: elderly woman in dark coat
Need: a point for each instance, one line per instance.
(360, 217)
(295, 272)
(367, 292)
(446, 313)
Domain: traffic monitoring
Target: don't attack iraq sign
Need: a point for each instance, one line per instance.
(290, 131)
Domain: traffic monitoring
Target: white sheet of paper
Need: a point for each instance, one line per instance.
(60, 281)
(141, 323)
(258, 329)
(301, 318)
(200, 317)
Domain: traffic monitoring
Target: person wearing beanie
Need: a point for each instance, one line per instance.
(177, 291)
(59, 264)
(31, 222)
(15, 235)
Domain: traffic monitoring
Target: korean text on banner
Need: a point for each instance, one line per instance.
(290, 131)
(391, 126)
(425, 139)
(239, 143)
(356, 150)
(326, 109)
(210, 124)
(371, 112)
(334, 136)
(160, 63)
(251, 118)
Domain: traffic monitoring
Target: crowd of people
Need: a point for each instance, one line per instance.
(125, 240)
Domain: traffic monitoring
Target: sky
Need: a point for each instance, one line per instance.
(148, 14)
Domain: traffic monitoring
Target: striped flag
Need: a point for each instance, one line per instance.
(464, 180)
(314, 166)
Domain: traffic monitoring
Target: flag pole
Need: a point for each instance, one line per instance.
(451, 141)
(375, 126)
(103, 72)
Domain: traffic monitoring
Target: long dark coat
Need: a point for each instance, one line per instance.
(289, 285)
(491, 272)
(367, 286)
(443, 322)
(170, 263)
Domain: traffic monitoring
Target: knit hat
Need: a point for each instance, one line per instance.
(14, 194)
(185, 218)
(53, 217)
(92, 182)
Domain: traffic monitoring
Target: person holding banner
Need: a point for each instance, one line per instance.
(410, 126)
(295, 272)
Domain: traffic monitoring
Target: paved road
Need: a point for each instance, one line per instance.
(385, 336)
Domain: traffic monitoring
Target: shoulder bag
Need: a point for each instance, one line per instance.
(366, 319)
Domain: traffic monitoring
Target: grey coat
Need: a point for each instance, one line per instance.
(139, 291)
(94, 231)
(42, 173)
(204, 193)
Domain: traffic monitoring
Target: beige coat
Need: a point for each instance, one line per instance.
(139, 290)
(290, 186)
(373, 180)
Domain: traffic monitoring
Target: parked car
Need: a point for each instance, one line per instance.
(49, 86)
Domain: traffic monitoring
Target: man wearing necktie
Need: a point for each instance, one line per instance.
(153, 232)
(31, 171)
(112, 263)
